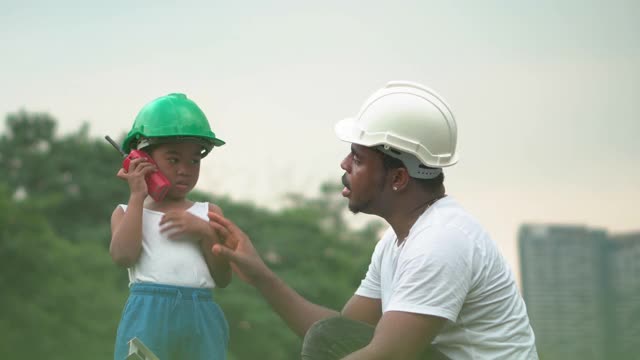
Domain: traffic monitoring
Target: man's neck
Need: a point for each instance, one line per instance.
(407, 212)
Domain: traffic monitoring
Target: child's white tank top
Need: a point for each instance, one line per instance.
(178, 262)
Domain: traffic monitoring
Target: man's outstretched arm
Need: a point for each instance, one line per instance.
(296, 311)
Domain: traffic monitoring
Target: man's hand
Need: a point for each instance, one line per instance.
(237, 248)
(178, 223)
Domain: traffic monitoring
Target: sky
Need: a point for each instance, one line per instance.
(544, 92)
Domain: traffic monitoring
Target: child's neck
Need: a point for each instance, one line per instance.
(167, 204)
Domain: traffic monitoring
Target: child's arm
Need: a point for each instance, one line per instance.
(126, 227)
(126, 232)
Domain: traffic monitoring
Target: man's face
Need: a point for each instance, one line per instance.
(364, 179)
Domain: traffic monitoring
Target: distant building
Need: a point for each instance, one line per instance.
(625, 283)
(582, 289)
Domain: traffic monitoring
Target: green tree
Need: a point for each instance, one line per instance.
(61, 299)
(74, 173)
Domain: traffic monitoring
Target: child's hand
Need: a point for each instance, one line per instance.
(138, 169)
(179, 222)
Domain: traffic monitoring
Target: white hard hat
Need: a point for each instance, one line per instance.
(407, 121)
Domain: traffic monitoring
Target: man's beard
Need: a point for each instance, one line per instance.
(354, 208)
(361, 207)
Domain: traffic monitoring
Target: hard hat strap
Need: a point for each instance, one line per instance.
(207, 145)
(414, 166)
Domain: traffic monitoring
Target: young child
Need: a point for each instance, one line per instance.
(166, 245)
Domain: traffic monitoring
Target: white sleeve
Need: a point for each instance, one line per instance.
(370, 285)
(435, 276)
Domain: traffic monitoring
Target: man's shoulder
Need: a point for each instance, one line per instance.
(447, 228)
(448, 216)
(389, 236)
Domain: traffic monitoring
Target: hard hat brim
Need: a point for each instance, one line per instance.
(347, 130)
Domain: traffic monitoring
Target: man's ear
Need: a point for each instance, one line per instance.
(399, 178)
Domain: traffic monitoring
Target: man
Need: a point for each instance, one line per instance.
(437, 284)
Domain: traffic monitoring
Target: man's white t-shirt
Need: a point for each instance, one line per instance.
(449, 266)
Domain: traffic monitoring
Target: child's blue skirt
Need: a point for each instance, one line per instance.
(174, 322)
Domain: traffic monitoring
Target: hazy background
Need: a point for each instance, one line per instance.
(544, 92)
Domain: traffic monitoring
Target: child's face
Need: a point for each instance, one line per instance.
(180, 163)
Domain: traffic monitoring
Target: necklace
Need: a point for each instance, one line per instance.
(428, 204)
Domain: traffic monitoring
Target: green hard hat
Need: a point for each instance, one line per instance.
(170, 118)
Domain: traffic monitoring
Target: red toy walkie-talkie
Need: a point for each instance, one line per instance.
(157, 183)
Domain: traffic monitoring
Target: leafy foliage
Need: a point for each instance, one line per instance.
(62, 296)
(74, 174)
(58, 296)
